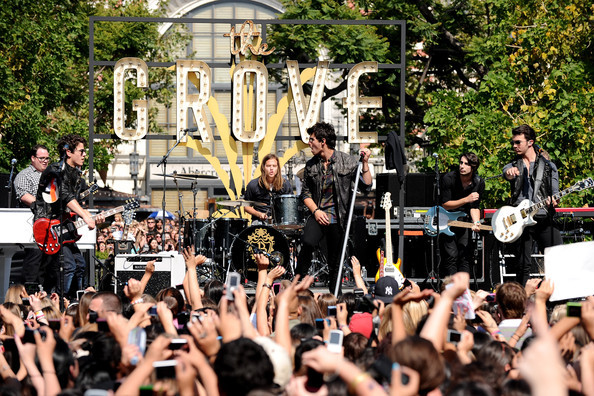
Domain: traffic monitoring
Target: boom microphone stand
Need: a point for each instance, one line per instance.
(164, 162)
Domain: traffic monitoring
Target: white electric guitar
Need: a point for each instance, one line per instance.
(509, 221)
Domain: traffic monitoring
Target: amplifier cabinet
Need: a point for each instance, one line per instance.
(170, 270)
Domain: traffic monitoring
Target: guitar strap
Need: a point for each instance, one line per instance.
(538, 180)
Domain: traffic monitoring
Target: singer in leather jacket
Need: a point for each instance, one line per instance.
(534, 177)
(327, 184)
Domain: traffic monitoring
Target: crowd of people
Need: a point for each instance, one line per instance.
(217, 340)
(146, 236)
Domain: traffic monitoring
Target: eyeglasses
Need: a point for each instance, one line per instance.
(43, 159)
(82, 151)
(517, 142)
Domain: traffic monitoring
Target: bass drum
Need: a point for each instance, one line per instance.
(263, 237)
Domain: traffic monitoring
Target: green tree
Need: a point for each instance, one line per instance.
(475, 69)
(44, 68)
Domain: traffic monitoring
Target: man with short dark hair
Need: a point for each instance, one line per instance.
(534, 177)
(103, 302)
(327, 183)
(461, 190)
(25, 186)
(57, 197)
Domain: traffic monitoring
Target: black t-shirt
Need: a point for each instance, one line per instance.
(255, 192)
(452, 190)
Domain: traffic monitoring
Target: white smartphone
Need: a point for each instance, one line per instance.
(454, 336)
(335, 341)
(233, 281)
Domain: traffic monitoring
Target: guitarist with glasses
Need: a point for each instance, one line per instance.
(534, 177)
(461, 190)
(57, 197)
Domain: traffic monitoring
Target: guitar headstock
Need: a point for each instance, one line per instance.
(584, 184)
(386, 203)
(132, 204)
(128, 216)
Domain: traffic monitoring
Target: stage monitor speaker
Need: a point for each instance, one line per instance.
(170, 270)
(419, 190)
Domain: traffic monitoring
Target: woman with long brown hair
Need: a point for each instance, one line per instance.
(262, 189)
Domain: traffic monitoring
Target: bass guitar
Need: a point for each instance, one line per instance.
(446, 220)
(509, 221)
(47, 232)
(386, 266)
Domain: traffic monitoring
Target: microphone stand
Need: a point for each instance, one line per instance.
(104, 267)
(164, 162)
(60, 183)
(436, 257)
(348, 227)
(9, 185)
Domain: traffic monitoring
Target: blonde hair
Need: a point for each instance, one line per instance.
(13, 294)
(385, 326)
(412, 313)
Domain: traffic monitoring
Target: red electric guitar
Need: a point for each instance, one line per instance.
(47, 232)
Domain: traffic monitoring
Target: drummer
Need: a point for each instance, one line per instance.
(263, 189)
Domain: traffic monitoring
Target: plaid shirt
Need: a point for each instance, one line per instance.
(27, 181)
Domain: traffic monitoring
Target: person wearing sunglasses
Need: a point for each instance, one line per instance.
(533, 176)
(25, 186)
(57, 198)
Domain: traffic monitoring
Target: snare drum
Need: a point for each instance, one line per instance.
(263, 237)
(288, 212)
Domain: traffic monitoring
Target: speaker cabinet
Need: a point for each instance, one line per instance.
(169, 270)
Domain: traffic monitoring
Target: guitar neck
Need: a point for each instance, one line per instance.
(389, 255)
(539, 205)
(107, 213)
(465, 224)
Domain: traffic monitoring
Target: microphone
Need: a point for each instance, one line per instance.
(13, 162)
(435, 155)
(190, 130)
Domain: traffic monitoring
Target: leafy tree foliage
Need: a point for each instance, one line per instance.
(482, 67)
(44, 49)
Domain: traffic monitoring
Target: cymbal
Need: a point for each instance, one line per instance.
(197, 176)
(186, 176)
(237, 202)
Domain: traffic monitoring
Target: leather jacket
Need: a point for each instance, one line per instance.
(72, 185)
(344, 167)
(545, 190)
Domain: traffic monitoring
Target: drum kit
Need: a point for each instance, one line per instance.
(230, 244)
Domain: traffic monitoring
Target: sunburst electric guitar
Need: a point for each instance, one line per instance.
(509, 221)
(386, 266)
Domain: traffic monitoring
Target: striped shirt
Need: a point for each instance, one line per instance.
(27, 181)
